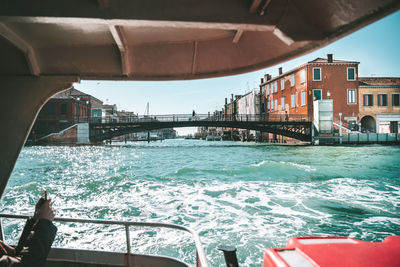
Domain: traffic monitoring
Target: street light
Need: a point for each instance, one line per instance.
(328, 94)
(340, 128)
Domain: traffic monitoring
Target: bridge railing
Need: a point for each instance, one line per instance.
(204, 117)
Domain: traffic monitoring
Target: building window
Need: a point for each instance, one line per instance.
(382, 100)
(303, 98)
(351, 96)
(267, 89)
(394, 127)
(268, 105)
(293, 101)
(396, 100)
(292, 81)
(276, 86)
(351, 74)
(282, 83)
(302, 76)
(276, 104)
(368, 100)
(51, 109)
(316, 74)
(283, 103)
(317, 93)
(64, 109)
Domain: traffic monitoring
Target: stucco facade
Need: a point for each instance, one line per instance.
(249, 103)
(379, 104)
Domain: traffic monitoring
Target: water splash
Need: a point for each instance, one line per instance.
(249, 195)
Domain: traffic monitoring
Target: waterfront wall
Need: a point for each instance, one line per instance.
(359, 138)
(371, 138)
(75, 134)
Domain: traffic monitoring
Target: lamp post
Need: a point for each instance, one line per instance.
(328, 94)
(340, 128)
(88, 110)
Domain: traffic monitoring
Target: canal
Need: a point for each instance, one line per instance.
(252, 196)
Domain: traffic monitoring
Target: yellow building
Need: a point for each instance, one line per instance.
(380, 104)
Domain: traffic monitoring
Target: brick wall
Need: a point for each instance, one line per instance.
(334, 79)
(67, 137)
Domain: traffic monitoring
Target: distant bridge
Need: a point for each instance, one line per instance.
(293, 126)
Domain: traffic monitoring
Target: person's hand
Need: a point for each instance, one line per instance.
(39, 203)
(44, 210)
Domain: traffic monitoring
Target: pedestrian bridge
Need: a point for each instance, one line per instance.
(293, 126)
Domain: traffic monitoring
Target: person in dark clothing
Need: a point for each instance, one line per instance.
(35, 241)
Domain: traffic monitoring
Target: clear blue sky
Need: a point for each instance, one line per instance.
(376, 47)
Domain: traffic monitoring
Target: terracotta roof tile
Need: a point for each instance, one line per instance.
(325, 60)
(73, 93)
(69, 94)
(378, 81)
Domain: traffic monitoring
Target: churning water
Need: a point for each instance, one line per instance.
(252, 196)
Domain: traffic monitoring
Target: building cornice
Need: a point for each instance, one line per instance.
(334, 63)
(380, 86)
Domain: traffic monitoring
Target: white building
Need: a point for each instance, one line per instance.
(249, 105)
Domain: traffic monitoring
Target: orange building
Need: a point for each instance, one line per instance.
(323, 78)
(380, 104)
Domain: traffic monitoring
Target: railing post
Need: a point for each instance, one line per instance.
(1, 230)
(128, 239)
(229, 255)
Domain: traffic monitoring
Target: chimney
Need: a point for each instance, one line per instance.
(226, 101)
(330, 58)
(269, 77)
(231, 98)
(280, 70)
(262, 80)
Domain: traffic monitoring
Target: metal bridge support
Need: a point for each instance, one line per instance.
(22, 97)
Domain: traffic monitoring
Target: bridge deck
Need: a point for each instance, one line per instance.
(294, 126)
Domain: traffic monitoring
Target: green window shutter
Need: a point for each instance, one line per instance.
(351, 74)
(317, 74)
(317, 94)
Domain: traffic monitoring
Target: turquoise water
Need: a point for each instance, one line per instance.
(252, 196)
